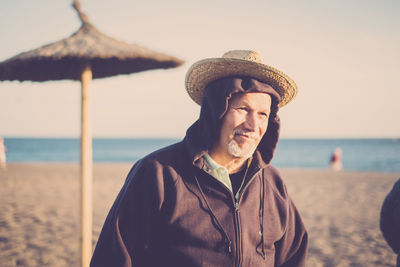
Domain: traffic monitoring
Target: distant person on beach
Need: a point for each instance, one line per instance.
(336, 160)
(390, 219)
(3, 150)
(212, 199)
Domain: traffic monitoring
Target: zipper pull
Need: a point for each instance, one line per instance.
(230, 247)
(237, 206)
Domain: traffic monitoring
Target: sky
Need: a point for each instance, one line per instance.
(344, 56)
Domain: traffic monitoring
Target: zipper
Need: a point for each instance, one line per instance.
(237, 234)
(236, 201)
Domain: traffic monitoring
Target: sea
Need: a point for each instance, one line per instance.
(371, 155)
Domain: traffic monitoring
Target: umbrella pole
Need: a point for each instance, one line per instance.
(86, 170)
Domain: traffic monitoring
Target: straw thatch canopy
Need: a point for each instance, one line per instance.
(65, 59)
(85, 55)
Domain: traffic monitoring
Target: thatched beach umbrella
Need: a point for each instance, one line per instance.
(86, 54)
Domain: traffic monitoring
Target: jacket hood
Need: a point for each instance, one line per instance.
(201, 136)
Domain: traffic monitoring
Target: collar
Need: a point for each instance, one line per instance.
(218, 172)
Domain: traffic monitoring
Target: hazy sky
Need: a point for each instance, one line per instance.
(344, 55)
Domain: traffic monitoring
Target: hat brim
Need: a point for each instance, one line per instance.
(208, 70)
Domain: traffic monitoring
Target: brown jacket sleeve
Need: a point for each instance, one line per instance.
(293, 247)
(127, 232)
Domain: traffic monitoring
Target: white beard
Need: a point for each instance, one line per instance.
(235, 150)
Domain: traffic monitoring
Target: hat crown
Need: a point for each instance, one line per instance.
(244, 55)
(244, 63)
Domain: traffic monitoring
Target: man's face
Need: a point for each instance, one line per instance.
(244, 124)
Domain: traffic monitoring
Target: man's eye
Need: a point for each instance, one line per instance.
(263, 114)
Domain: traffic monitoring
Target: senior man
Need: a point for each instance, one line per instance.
(212, 199)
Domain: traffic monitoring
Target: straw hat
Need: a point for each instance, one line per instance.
(237, 63)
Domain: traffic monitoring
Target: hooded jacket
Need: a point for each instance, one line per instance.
(172, 212)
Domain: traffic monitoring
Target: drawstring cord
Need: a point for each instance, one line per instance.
(261, 218)
(244, 178)
(215, 217)
(260, 213)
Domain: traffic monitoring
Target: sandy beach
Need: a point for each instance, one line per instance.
(39, 213)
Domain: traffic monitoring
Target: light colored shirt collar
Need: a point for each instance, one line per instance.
(218, 172)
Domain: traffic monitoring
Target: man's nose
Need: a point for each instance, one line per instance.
(251, 122)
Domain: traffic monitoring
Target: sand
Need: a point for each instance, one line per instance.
(39, 213)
